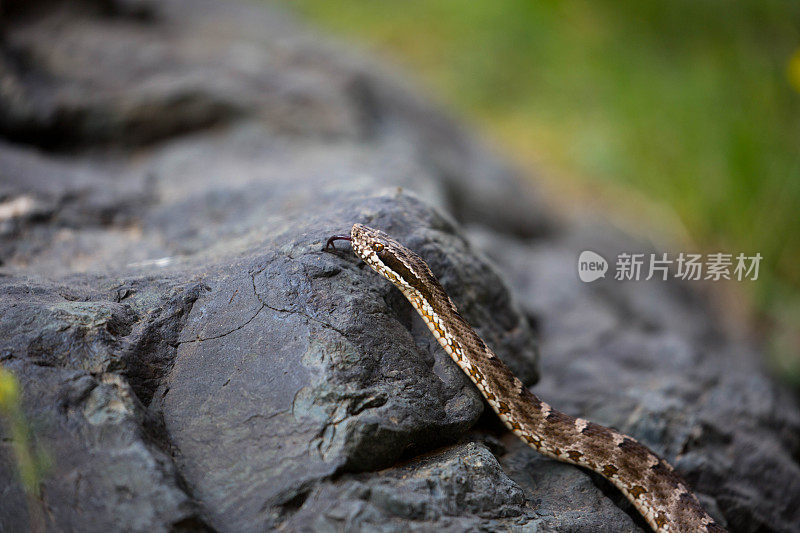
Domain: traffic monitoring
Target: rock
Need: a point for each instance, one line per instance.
(104, 471)
(680, 386)
(460, 488)
(191, 359)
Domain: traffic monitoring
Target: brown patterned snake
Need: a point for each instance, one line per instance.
(648, 481)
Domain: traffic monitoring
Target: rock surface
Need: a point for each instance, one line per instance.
(191, 359)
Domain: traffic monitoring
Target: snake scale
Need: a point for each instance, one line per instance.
(648, 481)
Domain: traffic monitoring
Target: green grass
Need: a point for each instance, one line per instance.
(30, 462)
(691, 105)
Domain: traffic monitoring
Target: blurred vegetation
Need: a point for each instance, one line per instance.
(692, 108)
(30, 463)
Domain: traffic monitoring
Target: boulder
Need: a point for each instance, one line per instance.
(190, 358)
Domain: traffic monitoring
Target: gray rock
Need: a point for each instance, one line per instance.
(460, 488)
(191, 359)
(104, 470)
(649, 360)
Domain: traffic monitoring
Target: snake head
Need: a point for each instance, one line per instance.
(371, 245)
(391, 259)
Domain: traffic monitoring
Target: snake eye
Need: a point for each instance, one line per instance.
(378, 247)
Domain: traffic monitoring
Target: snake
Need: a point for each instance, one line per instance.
(648, 481)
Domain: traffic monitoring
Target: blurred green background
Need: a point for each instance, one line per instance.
(682, 116)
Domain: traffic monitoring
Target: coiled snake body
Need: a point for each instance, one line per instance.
(648, 481)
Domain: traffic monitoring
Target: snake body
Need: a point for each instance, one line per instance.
(648, 481)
